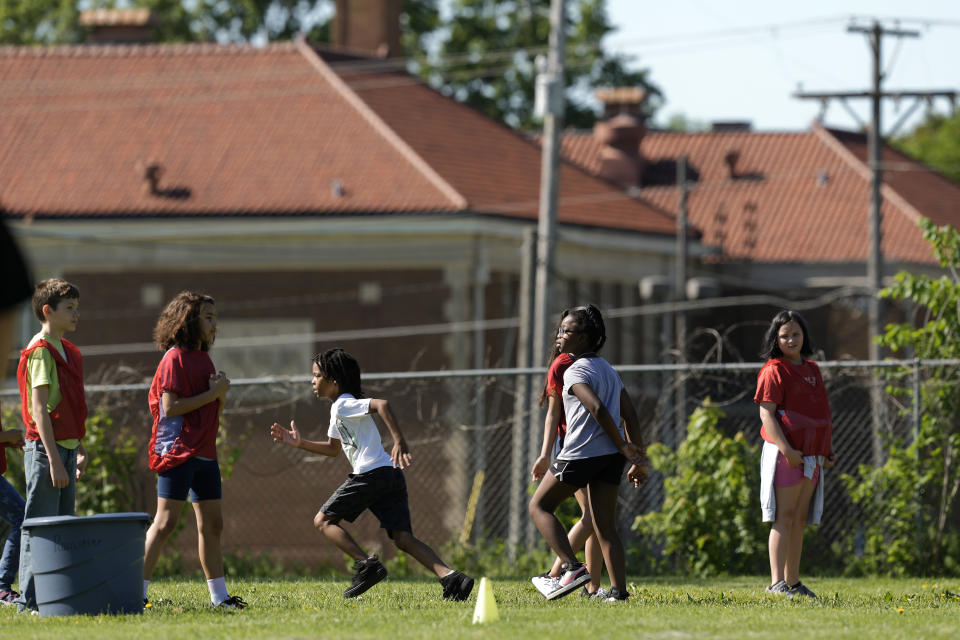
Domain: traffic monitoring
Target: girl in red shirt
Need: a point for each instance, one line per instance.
(797, 428)
(186, 399)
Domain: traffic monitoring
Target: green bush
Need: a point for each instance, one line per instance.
(114, 456)
(909, 502)
(710, 521)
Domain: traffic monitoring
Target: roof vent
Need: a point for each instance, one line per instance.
(152, 174)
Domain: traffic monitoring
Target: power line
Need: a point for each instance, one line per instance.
(494, 324)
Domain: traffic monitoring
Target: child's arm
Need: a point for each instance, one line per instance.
(768, 416)
(174, 405)
(592, 403)
(291, 438)
(550, 423)
(630, 420)
(401, 456)
(82, 460)
(39, 397)
(11, 438)
(637, 474)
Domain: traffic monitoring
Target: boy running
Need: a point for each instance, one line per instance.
(377, 482)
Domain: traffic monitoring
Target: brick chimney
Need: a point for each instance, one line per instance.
(620, 135)
(370, 27)
(119, 26)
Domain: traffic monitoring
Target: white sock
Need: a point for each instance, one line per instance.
(218, 590)
(146, 583)
(447, 574)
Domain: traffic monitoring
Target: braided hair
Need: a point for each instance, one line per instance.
(590, 320)
(340, 366)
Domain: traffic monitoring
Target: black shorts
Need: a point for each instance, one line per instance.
(382, 490)
(580, 473)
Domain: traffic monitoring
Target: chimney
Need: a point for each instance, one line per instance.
(622, 100)
(731, 126)
(119, 26)
(620, 135)
(370, 27)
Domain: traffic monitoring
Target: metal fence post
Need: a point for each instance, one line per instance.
(916, 399)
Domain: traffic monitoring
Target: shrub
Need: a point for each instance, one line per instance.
(710, 521)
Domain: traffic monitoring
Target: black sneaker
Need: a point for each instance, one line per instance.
(615, 595)
(456, 586)
(366, 574)
(233, 602)
(800, 589)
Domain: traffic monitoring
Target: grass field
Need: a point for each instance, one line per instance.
(401, 608)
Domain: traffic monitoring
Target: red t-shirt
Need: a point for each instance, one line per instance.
(798, 392)
(174, 440)
(555, 386)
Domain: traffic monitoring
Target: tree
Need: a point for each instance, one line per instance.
(56, 21)
(487, 58)
(909, 502)
(483, 54)
(39, 22)
(935, 142)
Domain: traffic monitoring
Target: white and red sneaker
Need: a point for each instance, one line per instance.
(570, 580)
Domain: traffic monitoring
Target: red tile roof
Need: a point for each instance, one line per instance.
(496, 169)
(246, 131)
(262, 131)
(800, 197)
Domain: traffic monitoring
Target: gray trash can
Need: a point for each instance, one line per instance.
(88, 565)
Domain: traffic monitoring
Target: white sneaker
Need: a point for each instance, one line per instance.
(545, 584)
(572, 578)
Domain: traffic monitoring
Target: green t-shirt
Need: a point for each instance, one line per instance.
(42, 370)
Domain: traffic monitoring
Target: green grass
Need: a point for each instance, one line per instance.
(412, 608)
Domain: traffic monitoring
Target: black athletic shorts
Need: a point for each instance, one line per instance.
(580, 473)
(382, 490)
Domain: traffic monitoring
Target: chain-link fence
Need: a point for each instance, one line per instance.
(473, 436)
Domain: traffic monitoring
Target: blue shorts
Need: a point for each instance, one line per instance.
(201, 478)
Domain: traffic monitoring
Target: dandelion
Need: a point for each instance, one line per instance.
(924, 586)
(900, 610)
(148, 606)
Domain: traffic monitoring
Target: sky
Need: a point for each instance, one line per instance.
(743, 59)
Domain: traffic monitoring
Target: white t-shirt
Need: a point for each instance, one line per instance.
(352, 425)
(585, 437)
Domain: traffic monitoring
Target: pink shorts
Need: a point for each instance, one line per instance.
(787, 476)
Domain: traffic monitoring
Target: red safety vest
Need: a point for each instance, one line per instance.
(70, 416)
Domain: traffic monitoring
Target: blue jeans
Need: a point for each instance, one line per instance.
(43, 499)
(11, 510)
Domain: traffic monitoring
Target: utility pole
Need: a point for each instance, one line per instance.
(549, 174)
(875, 33)
(679, 294)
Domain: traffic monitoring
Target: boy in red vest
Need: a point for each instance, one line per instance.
(50, 377)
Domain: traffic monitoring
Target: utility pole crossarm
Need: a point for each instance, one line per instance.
(896, 95)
